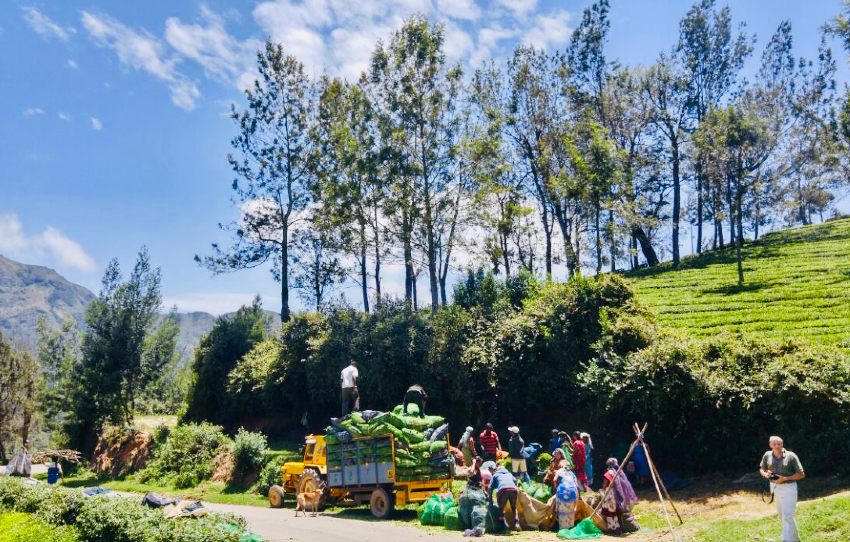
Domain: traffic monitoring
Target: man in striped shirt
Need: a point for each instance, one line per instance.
(489, 442)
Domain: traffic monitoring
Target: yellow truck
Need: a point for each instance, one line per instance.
(360, 471)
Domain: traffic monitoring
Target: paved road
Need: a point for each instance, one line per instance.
(278, 525)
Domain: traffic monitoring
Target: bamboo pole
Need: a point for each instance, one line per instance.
(661, 482)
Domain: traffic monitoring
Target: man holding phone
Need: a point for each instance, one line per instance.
(783, 468)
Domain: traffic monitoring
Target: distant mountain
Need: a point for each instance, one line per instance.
(30, 291)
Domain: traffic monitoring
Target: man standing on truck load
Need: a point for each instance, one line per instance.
(519, 467)
(489, 442)
(350, 396)
(415, 395)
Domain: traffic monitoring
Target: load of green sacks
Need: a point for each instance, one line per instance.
(470, 512)
(536, 490)
(421, 449)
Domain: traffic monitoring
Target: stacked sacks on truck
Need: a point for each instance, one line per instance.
(421, 447)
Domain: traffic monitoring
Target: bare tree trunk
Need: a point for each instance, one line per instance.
(547, 232)
(739, 242)
(699, 206)
(598, 239)
(284, 276)
(677, 200)
(613, 239)
(409, 279)
(645, 246)
(415, 297)
(364, 277)
(377, 262)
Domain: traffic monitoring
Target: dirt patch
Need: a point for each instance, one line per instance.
(224, 468)
(120, 455)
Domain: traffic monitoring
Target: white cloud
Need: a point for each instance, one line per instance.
(216, 303)
(142, 51)
(12, 236)
(33, 111)
(67, 251)
(64, 116)
(95, 123)
(549, 30)
(459, 9)
(50, 243)
(221, 55)
(45, 26)
(72, 64)
(520, 8)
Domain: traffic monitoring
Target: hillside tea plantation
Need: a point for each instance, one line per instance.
(796, 285)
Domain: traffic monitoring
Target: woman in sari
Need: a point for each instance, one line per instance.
(617, 506)
(559, 459)
(565, 484)
(588, 464)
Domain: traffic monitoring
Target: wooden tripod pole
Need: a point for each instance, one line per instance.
(622, 466)
(611, 486)
(655, 474)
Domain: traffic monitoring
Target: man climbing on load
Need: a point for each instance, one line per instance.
(415, 395)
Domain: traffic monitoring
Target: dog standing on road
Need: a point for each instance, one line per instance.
(305, 498)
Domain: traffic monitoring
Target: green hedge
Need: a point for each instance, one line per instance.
(712, 404)
(105, 519)
(17, 527)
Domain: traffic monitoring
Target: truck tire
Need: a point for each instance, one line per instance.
(276, 496)
(381, 503)
(311, 481)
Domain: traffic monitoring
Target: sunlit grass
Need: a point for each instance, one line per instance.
(797, 285)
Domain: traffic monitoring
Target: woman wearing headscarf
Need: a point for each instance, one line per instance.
(467, 446)
(559, 459)
(617, 507)
(588, 464)
(565, 484)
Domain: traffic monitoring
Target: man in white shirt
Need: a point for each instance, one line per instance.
(350, 396)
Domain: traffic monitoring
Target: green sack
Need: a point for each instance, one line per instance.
(492, 523)
(399, 409)
(437, 446)
(412, 436)
(451, 519)
(248, 536)
(585, 530)
(434, 421)
(432, 511)
(413, 409)
(478, 517)
(357, 418)
(420, 447)
(393, 419)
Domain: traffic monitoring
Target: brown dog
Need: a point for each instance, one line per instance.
(305, 498)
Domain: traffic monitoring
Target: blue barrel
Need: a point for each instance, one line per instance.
(52, 475)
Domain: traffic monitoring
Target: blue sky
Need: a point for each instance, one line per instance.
(113, 118)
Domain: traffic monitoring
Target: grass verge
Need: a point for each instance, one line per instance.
(18, 527)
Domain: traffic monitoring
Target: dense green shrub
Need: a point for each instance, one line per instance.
(723, 398)
(188, 455)
(111, 519)
(248, 451)
(269, 475)
(230, 338)
(17, 527)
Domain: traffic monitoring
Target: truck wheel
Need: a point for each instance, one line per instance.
(276, 495)
(381, 503)
(312, 481)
